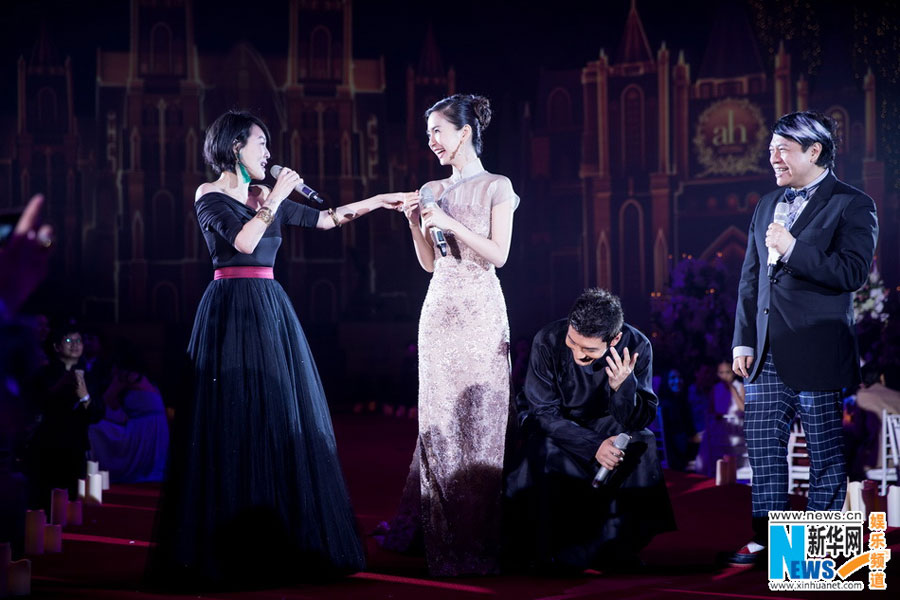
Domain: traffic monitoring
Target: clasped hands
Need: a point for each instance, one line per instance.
(432, 215)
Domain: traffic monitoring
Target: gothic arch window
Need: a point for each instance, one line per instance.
(346, 155)
(165, 302)
(333, 158)
(320, 53)
(48, 110)
(160, 49)
(331, 120)
(632, 128)
(660, 262)
(295, 148)
(324, 302)
(191, 150)
(604, 262)
(559, 109)
(137, 236)
(135, 147)
(309, 121)
(310, 157)
(631, 249)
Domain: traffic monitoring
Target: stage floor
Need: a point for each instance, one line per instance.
(104, 558)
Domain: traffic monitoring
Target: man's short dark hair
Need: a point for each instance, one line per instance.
(597, 314)
(808, 127)
(230, 129)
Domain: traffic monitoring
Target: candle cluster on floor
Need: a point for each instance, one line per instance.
(42, 536)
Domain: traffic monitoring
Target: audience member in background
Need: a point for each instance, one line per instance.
(132, 439)
(862, 422)
(64, 407)
(724, 430)
(699, 397)
(678, 422)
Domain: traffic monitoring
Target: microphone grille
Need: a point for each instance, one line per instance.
(782, 210)
(621, 441)
(275, 170)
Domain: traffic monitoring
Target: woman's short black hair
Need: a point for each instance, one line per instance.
(230, 129)
(466, 109)
(597, 314)
(808, 127)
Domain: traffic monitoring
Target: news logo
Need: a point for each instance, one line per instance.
(819, 550)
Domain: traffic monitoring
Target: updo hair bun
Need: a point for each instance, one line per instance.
(465, 109)
(482, 108)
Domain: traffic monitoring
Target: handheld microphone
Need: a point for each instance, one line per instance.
(782, 210)
(621, 442)
(302, 187)
(436, 234)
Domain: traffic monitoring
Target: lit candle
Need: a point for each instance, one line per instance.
(105, 478)
(93, 467)
(53, 538)
(722, 472)
(75, 513)
(35, 521)
(59, 501)
(82, 487)
(20, 578)
(95, 489)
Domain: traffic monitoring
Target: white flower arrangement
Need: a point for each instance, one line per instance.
(870, 298)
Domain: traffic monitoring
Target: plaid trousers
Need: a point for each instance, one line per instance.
(770, 408)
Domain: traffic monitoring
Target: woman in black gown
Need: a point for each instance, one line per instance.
(255, 494)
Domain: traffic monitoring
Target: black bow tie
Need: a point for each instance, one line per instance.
(790, 195)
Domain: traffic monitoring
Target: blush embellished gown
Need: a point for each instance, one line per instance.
(453, 491)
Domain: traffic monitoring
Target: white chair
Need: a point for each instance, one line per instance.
(889, 452)
(798, 460)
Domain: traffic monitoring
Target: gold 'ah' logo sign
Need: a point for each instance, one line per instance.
(731, 138)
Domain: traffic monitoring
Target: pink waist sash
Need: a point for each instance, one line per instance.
(244, 273)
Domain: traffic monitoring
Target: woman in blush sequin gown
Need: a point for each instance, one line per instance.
(452, 494)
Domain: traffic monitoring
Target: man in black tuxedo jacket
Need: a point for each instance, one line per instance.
(794, 341)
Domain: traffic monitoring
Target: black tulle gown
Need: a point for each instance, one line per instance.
(255, 496)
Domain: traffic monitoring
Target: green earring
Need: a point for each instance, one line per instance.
(245, 176)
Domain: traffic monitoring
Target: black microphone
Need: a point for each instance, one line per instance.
(782, 210)
(436, 234)
(302, 188)
(621, 443)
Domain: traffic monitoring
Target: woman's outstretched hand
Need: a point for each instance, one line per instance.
(395, 200)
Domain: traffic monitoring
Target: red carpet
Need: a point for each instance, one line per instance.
(104, 558)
